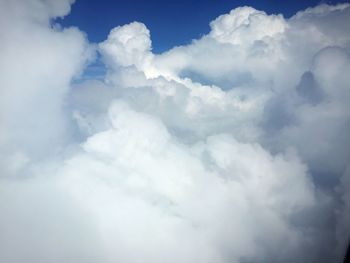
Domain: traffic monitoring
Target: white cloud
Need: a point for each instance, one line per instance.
(245, 25)
(234, 148)
(206, 197)
(37, 65)
(128, 45)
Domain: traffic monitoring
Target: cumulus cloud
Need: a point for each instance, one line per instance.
(234, 148)
(245, 25)
(128, 45)
(37, 65)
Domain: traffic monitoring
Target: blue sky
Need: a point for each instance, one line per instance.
(171, 22)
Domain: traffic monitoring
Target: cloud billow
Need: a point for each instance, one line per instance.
(233, 148)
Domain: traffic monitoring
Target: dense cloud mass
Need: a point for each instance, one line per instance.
(234, 148)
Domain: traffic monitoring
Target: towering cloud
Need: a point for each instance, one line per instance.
(234, 148)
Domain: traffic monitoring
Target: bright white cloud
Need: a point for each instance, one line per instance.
(37, 65)
(234, 148)
(245, 25)
(129, 45)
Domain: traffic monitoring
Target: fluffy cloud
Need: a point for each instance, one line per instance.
(234, 148)
(245, 25)
(128, 45)
(37, 65)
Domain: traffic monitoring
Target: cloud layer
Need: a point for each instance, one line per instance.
(234, 148)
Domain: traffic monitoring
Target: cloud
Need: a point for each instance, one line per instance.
(245, 25)
(37, 65)
(234, 148)
(128, 45)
